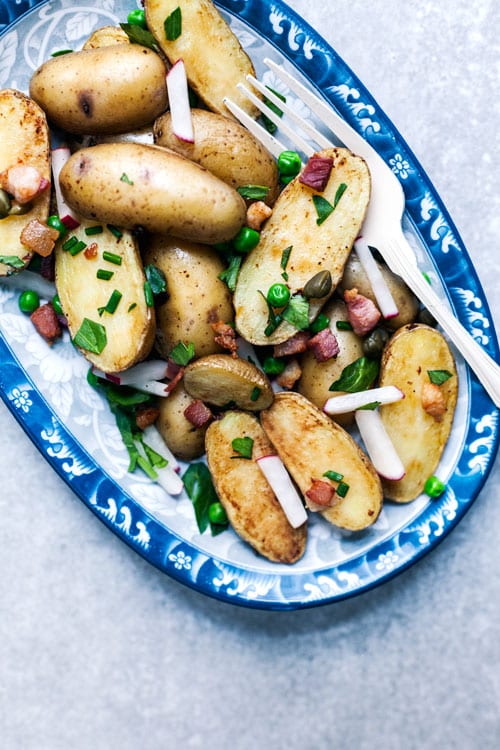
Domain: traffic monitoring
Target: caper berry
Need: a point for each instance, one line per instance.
(4, 204)
(318, 286)
(19, 209)
(373, 344)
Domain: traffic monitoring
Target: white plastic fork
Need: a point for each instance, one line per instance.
(382, 227)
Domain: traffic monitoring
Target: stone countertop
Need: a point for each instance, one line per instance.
(98, 650)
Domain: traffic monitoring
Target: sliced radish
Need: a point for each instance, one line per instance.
(153, 437)
(29, 280)
(153, 369)
(381, 291)
(276, 474)
(347, 402)
(59, 158)
(178, 99)
(166, 476)
(378, 445)
(154, 387)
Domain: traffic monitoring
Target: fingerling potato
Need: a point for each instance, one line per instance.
(24, 141)
(133, 185)
(220, 379)
(419, 425)
(251, 506)
(214, 58)
(128, 331)
(186, 441)
(310, 444)
(109, 89)
(196, 296)
(225, 148)
(314, 248)
(106, 36)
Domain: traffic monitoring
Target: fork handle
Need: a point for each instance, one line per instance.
(484, 366)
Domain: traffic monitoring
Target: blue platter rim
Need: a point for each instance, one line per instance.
(319, 63)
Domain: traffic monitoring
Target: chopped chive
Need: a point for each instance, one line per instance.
(255, 394)
(334, 476)
(104, 275)
(97, 229)
(148, 294)
(173, 25)
(340, 192)
(111, 304)
(115, 231)
(342, 489)
(132, 306)
(343, 325)
(70, 242)
(60, 52)
(285, 257)
(112, 258)
(77, 248)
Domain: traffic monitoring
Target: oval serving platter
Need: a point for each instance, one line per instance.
(47, 391)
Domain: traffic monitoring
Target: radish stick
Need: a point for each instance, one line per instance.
(154, 438)
(378, 445)
(381, 291)
(178, 99)
(276, 474)
(59, 157)
(347, 402)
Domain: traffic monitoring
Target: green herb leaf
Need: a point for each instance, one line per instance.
(125, 178)
(91, 336)
(182, 353)
(323, 208)
(273, 319)
(173, 25)
(370, 407)
(138, 35)
(230, 274)
(11, 260)
(253, 192)
(243, 446)
(285, 257)
(297, 312)
(148, 294)
(358, 376)
(438, 377)
(156, 278)
(201, 491)
(269, 125)
(340, 192)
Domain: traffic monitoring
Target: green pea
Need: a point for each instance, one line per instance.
(320, 323)
(56, 304)
(278, 295)
(29, 301)
(273, 366)
(56, 223)
(246, 240)
(217, 514)
(434, 487)
(137, 17)
(289, 163)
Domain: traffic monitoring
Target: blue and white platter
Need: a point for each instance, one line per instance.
(47, 391)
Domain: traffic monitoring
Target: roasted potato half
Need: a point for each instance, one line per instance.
(251, 505)
(310, 444)
(220, 379)
(134, 185)
(314, 248)
(111, 311)
(196, 296)
(186, 441)
(214, 58)
(106, 36)
(225, 148)
(24, 141)
(109, 89)
(420, 424)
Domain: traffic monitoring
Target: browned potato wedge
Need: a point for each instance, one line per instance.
(196, 296)
(315, 248)
(214, 58)
(133, 185)
(129, 331)
(317, 377)
(105, 37)
(225, 148)
(87, 92)
(186, 441)
(419, 437)
(24, 140)
(251, 505)
(406, 302)
(309, 444)
(220, 379)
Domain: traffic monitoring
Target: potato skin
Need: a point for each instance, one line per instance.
(106, 36)
(418, 437)
(110, 89)
(309, 443)
(251, 505)
(130, 333)
(225, 148)
(314, 248)
(163, 192)
(24, 139)
(196, 296)
(186, 441)
(214, 58)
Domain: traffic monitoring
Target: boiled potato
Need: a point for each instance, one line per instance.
(134, 185)
(186, 441)
(214, 58)
(418, 436)
(355, 278)
(309, 444)
(317, 377)
(105, 37)
(129, 331)
(109, 89)
(225, 148)
(251, 505)
(314, 247)
(196, 296)
(24, 140)
(220, 379)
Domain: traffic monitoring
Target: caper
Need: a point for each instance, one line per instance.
(373, 344)
(18, 209)
(319, 285)
(424, 316)
(4, 204)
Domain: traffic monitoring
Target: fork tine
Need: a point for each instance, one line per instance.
(273, 145)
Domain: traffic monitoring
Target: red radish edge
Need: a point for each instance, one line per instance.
(59, 157)
(178, 99)
(381, 291)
